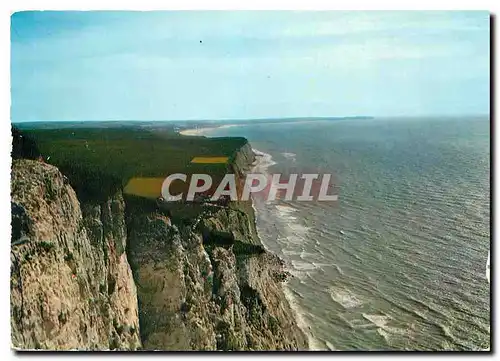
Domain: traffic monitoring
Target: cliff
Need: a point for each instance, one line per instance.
(119, 274)
(71, 287)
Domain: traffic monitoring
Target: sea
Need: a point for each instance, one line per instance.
(398, 261)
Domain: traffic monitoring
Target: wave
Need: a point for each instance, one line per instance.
(290, 156)
(378, 320)
(262, 161)
(347, 299)
(314, 344)
(303, 266)
(330, 346)
(293, 235)
(286, 212)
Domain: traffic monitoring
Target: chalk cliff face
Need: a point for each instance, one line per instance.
(243, 159)
(200, 284)
(71, 284)
(208, 290)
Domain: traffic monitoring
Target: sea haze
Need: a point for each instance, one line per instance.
(399, 261)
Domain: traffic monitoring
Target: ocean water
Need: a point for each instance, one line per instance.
(398, 262)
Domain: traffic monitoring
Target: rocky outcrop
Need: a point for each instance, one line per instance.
(230, 226)
(242, 159)
(198, 291)
(207, 284)
(71, 285)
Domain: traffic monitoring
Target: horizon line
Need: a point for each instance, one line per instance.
(254, 119)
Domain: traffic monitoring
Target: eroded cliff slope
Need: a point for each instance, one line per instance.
(193, 284)
(71, 285)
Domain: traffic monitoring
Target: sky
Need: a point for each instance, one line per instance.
(243, 65)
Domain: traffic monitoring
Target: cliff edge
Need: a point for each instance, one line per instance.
(71, 288)
(115, 274)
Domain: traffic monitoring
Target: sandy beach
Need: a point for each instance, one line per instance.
(196, 131)
(201, 131)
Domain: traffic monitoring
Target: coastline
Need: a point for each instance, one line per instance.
(196, 131)
(344, 297)
(262, 162)
(201, 131)
(248, 312)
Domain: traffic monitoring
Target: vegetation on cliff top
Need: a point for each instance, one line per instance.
(100, 160)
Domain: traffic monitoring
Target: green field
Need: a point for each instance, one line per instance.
(100, 160)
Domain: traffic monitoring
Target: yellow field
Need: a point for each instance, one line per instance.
(144, 187)
(151, 187)
(210, 160)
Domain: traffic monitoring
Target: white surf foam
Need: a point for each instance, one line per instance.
(314, 344)
(298, 229)
(293, 240)
(378, 320)
(286, 212)
(291, 252)
(290, 156)
(330, 346)
(387, 332)
(303, 266)
(262, 161)
(286, 215)
(345, 298)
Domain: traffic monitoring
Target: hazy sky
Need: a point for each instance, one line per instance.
(212, 65)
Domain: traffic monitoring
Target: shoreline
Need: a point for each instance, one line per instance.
(195, 131)
(201, 131)
(262, 162)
